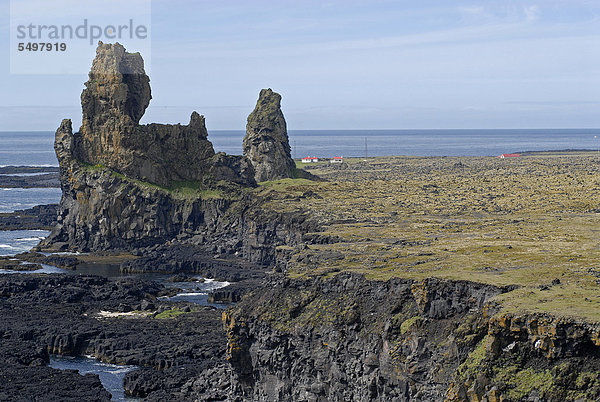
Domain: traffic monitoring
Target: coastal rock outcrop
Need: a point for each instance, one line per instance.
(348, 338)
(76, 315)
(127, 185)
(266, 143)
(113, 102)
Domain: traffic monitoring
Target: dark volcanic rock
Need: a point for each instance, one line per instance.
(187, 259)
(232, 293)
(12, 264)
(18, 170)
(48, 180)
(24, 383)
(351, 339)
(61, 314)
(57, 260)
(29, 177)
(348, 338)
(110, 171)
(115, 98)
(107, 170)
(40, 217)
(266, 143)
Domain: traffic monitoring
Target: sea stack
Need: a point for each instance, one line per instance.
(113, 102)
(266, 144)
(127, 185)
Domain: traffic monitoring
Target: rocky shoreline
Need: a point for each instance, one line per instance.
(40, 217)
(331, 297)
(120, 322)
(316, 339)
(29, 177)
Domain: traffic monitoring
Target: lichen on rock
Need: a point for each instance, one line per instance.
(113, 102)
(266, 143)
(128, 186)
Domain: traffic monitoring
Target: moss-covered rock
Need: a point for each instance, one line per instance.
(266, 143)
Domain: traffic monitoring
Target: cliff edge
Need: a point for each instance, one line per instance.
(127, 185)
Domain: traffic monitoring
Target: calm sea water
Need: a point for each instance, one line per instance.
(27, 148)
(349, 143)
(13, 199)
(36, 148)
(111, 375)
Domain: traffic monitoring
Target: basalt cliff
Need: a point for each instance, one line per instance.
(341, 307)
(127, 185)
(113, 102)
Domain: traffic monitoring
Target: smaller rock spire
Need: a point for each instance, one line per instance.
(266, 144)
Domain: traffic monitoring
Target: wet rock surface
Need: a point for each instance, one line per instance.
(40, 217)
(29, 177)
(69, 315)
(188, 259)
(25, 376)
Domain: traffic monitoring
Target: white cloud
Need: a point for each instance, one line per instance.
(531, 13)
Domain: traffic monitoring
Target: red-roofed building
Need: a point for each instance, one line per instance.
(509, 156)
(337, 159)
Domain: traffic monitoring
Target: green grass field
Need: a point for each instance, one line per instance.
(525, 221)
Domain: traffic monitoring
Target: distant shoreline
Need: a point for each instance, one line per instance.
(357, 130)
(8, 170)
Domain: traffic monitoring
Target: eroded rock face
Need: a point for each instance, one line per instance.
(113, 102)
(109, 172)
(266, 143)
(348, 338)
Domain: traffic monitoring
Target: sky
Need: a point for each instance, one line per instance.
(348, 64)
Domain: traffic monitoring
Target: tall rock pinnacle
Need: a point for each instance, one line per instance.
(266, 143)
(113, 102)
(117, 84)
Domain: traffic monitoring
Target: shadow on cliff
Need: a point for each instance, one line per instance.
(127, 185)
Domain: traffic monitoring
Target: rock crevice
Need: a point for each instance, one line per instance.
(127, 185)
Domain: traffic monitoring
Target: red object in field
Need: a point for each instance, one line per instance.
(509, 156)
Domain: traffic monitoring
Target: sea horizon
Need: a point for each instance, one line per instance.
(36, 148)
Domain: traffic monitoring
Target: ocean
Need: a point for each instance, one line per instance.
(36, 148)
(110, 375)
(13, 199)
(14, 242)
